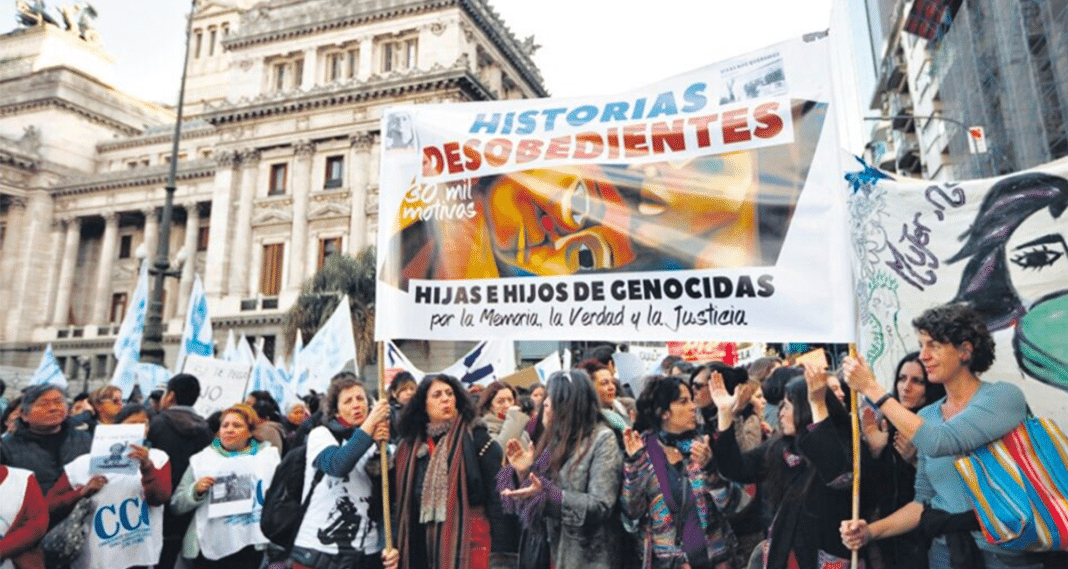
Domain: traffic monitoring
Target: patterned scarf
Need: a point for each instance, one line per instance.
(448, 541)
(433, 506)
(682, 442)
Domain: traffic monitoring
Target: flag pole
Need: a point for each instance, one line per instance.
(855, 422)
(383, 451)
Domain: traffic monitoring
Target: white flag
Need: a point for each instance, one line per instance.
(397, 362)
(489, 361)
(328, 352)
(551, 363)
(243, 352)
(266, 377)
(196, 337)
(231, 347)
(127, 348)
(48, 371)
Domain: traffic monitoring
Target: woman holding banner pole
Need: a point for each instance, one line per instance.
(955, 346)
(342, 526)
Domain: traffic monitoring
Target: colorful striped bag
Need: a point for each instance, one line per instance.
(1019, 487)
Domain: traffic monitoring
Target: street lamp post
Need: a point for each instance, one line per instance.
(152, 338)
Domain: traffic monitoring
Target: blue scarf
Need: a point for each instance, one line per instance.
(251, 450)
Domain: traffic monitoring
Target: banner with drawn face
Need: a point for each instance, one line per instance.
(703, 207)
(1000, 244)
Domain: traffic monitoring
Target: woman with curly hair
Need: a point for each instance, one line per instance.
(565, 489)
(665, 486)
(447, 509)
(955, 346)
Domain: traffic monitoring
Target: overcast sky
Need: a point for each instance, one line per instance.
(589, 47)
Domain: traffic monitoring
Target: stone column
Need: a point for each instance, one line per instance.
(359, 164)
(105, 269)
(216, 269)
(58, 235)
(16, 219)
(308, 80)
(372, 186)
(66, 272)
(151, 230)
(192, 228)
(366, 67)
(250, 162)
(298, 237)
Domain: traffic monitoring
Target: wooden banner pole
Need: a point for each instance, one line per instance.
(383, 450)
(855, 420)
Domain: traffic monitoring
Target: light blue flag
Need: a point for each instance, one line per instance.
(243, 352)
(48, 371)
(196, 337)
(127, 348)
(331, 350)
(266, 377)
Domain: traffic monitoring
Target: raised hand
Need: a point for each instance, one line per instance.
(904, 447)
(520, 457)
(632, 442)
(532, 489)
(873, 432)
(816, 378)
(723, 399)
(742, 394)
(701, 452)
(857, 374)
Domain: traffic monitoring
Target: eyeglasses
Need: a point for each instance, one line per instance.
(117, 400)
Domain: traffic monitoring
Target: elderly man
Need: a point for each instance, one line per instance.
(45, 439)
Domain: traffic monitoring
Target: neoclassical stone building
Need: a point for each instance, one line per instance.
(278, 159)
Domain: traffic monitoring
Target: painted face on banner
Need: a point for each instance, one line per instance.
(548, 222)
(1037, 255)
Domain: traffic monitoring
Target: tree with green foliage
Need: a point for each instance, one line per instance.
(340, 275)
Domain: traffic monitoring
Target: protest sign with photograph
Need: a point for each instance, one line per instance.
(234, 489)
(111, 445)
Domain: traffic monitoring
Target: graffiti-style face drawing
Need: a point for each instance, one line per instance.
(1017, 273)
(1038, 256)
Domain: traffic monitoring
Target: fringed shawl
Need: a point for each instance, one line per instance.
(449, 543)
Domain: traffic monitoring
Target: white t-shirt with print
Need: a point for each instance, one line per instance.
(338, 515)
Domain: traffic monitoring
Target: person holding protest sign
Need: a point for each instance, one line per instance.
(678, 508)
(955, 346)
(343, 521)
(447, 510)
(566, 488)
(806, 470)
(128, 517)
(224, 484)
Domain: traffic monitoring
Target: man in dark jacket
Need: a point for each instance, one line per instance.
(45, 439)
(180, 432)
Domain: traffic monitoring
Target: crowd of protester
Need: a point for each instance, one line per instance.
(708, 466)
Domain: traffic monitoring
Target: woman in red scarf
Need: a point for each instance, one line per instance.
(446, 468)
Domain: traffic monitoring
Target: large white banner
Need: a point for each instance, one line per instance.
(705, 206)
(222, 383)
(1000, 244)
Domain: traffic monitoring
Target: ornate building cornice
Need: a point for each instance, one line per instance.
(61, 104)
(191, 130)
(153, 175)
(258, 28)
(389, 87)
